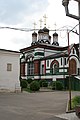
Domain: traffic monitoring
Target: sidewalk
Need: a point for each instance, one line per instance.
(69, 116)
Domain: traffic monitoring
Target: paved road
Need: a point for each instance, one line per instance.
(32, 106)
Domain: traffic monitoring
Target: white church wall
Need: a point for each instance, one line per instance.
(53, 77)
(26, 69)
(56, 77)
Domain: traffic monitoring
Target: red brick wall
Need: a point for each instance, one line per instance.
(22, 69)
(36, 67)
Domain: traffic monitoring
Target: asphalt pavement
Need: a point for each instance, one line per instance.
(33, 106)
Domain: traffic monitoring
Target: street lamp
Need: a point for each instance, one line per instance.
(65, 3)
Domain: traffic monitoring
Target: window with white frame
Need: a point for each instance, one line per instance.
(30, 68)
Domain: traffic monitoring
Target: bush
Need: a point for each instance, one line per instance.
(34, 86)
(23, 83)
(43, 83)
(56, 85)
(29, 80)
(40, 82)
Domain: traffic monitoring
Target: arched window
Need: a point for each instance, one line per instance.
(54, 67)
(72, 66)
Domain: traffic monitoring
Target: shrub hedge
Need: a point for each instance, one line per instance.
(34, 86)
(56, 85)
(23, 83)
(29, 80)
(43, 83)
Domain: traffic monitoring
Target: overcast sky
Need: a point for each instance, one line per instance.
(23, 13)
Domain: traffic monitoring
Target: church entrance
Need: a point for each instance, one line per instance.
(72, 66)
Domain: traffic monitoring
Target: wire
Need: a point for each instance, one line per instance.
(28, 30)
(20, 29)
(73, 28)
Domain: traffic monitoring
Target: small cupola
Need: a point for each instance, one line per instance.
(40, 31)
(46, 34)
(34, 34)
(40, 34)
(55, 39)
(46, 30)
(34, 37)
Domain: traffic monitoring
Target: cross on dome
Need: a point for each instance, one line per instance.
(40, 23)
(34, 25)
(45, 17)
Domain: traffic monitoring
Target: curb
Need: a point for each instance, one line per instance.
(67, 110)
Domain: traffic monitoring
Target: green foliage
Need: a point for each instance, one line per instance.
(23, 83)
(40, 82)
(75, 101)
(29, 80)
(34, 86)
(43, 83)
(56, 85)
(27, 89)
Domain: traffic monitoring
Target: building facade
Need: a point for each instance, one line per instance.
(46, 60)
(9, 71)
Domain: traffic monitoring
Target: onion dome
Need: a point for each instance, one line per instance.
(45, 29)
(34, 38)
(55, 34)
(55, 39)
(40, 31)
(34, 34)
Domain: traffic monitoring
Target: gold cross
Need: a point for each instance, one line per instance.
(34, 25)
(40, 23)
(45, 17)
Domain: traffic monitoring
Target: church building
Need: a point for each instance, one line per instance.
(44, 60)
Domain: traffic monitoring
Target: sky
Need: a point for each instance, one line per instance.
(23, 13)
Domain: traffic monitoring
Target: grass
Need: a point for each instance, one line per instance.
(27, 90)
(75, 101)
